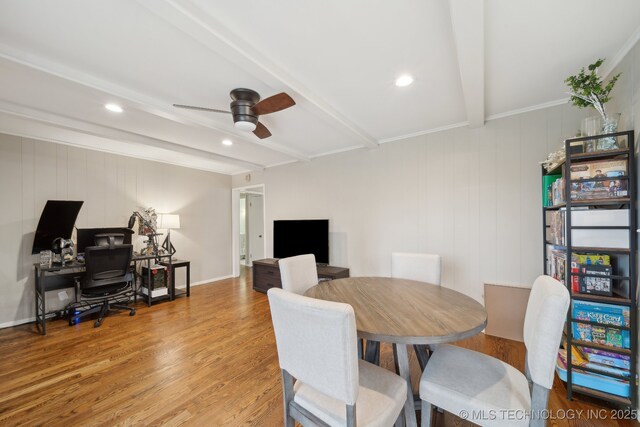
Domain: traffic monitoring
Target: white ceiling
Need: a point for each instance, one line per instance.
(472, 60)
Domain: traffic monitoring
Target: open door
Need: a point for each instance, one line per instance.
(255, 227)
(248, 205)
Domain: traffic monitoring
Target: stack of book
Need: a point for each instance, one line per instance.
(599, 179)
(598, 360)
(591, 264)
(557, 262)
(547, 188)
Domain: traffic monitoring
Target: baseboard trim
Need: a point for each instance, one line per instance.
(17, 322)
(211, 281)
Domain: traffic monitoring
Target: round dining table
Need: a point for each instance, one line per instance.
(404, 313)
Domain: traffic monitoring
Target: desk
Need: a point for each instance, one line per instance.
(51, 279)
(405, 312)
(63, 277)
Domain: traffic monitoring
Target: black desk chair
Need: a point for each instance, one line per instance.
(107, 283)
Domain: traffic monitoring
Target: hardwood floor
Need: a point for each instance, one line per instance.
(207, 360)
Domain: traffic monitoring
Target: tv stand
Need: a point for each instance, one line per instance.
(266, 274)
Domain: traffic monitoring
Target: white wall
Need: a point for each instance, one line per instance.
(471, 195)
(32, 172)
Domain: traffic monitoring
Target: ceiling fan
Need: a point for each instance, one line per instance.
(246, 107)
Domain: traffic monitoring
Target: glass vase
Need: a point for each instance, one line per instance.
(591, 127)
(609, 125)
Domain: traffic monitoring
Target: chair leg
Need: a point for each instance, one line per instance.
(132, 310)
(287, 397)
(351, 416)
(91, 310)
(539, 402)
(103, 312)
(422, 354)
(427, 412)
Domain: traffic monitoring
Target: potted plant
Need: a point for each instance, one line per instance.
(589, 90)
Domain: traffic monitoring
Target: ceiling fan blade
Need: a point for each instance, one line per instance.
(261, 131)
(191, 107)
(273, 103)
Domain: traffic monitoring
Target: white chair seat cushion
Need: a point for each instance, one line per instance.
(456, 378)
(381, 397)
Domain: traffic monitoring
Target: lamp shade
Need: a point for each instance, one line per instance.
(169, 221)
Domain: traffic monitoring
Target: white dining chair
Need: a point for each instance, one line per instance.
(493, 392)
(423, 268)
(413, 266)
(298, 273)
(316, 343)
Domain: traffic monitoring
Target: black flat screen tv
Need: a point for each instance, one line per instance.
(301, 236)
(57, 220)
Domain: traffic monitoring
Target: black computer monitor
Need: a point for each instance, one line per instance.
(57, 220)
(86, 236)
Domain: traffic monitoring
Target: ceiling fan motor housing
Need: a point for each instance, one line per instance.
(243, 100)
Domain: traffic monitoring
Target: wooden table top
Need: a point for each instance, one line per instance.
(405, 311)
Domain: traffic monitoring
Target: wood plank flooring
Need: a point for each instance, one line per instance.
(207, 360)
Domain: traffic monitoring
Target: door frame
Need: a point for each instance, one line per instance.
(235, 223)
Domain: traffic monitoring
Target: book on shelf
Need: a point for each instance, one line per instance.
(557, 192)
(591, 380)
(556, 262)
(580, 359)
(547, 188)
(596, 285)
(608, 358)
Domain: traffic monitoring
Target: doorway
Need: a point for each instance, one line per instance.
(248, 219)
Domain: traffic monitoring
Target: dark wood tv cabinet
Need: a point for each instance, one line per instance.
(266, 274)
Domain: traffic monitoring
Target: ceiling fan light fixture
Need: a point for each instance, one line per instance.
(404, 80)
(245, 125)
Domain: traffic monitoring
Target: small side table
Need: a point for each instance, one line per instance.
(176, 263)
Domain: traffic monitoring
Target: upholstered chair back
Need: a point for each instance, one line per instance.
(420, 267)
(298, 273)
(316, 342)
(543, 324)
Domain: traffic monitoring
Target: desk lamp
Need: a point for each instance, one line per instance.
(169, 222)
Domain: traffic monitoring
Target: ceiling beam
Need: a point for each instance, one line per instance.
(141, 101)
(94, 129)
(467, 23)
(216, 36)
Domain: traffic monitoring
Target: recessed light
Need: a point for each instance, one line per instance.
(114, 107)
(227, 142)
(404, 80)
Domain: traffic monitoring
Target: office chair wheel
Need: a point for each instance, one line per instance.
(97, 324)
(132, 312)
